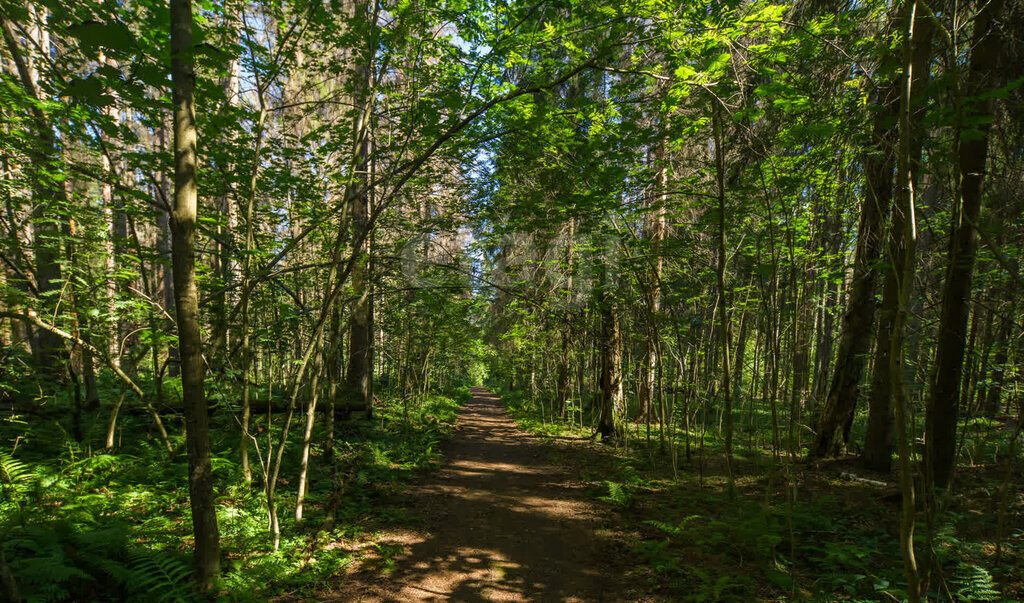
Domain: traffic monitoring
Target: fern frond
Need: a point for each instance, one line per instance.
(617, 494)
(160, 575)
(975, 583)
(12, 470)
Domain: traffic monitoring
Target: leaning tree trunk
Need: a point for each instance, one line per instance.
(186, 292)
(942, 411)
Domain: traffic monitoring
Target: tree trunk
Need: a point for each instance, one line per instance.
(878, 441)
(655, 233)
(833, 428)
(902, 251)
(307, 439)
(611, 358)
(359, 377)
(183, 229)
(941, 414)
(725, 310)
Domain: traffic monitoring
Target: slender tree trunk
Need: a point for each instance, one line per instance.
(611, 358)
(902, 251)
(307, 440)
(164, 245)
(333, 378)
(183, 228)
(725, 309)
(654, 231)
(246, 296)
(994, 394)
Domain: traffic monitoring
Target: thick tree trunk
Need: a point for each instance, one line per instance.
(10, 586)
(359, 376)
(654, 231)
(183, 229)
(878, 442)
(942, 412)
(833, 428)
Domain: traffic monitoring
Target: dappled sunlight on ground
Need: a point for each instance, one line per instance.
(501, 523)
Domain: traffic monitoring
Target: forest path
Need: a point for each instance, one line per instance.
(501, 522)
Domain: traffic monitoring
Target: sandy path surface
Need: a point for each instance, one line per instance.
(501, 523)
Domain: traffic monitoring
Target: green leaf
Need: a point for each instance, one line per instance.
(112, 36)
(88, 90)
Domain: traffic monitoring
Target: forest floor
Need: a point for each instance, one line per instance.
(500, 521)
(522, 510)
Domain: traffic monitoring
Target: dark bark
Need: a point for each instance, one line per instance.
(611, 358)
(902, 250)
(942, 411)
(833, 428)
(654, 232)
(878, 443)
(10, 586)
(994, 394)
(724, 304)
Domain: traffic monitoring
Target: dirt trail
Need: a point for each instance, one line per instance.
(501, 523)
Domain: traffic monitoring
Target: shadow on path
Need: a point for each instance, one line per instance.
(501, 524)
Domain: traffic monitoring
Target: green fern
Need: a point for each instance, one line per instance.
(673, 530)
(974, 583)
(161, 576)
(14, 471)
(655, 553)
(617, 494)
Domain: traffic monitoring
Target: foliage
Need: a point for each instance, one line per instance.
(974, 583)
(590, 206)
(113, 525)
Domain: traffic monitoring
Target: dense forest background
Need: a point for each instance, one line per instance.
(254, 253)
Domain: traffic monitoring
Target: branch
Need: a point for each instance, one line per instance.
(32, 317)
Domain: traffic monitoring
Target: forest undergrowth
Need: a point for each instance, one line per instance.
(795, 530)
(81, 523)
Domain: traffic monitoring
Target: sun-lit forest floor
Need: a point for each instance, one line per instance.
(831, 537)
(499, 511)
(504, 519)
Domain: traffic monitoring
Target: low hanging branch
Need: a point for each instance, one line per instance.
(32, 317)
